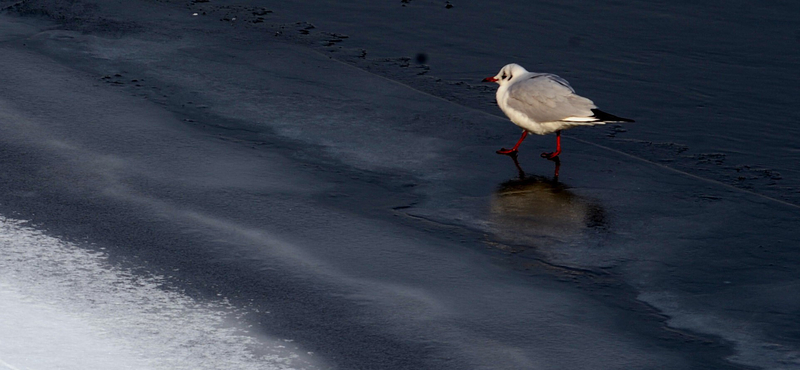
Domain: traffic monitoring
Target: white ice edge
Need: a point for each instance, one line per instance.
(65, 307)
(751, 346)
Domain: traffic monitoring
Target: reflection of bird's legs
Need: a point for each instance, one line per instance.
(558, 167)
(516, 163)
(552, 155)
(514, 149)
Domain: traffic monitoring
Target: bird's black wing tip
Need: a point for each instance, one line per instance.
(603, 116)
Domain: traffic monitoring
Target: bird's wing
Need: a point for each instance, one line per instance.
(546, 97)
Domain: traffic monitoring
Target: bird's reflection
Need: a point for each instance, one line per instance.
(530, 210)
(555, 160)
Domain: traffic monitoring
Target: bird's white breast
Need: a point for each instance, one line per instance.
(516, 116)
(522, 120)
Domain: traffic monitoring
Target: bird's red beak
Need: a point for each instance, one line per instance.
(490, 79)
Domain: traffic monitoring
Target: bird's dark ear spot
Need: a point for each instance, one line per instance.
(510, 77)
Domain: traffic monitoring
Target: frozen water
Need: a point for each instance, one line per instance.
(668, 234)
(64, 307)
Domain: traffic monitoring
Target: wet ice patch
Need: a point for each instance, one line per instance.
(12, 28)
(63, 307)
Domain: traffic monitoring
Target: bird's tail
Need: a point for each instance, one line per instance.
(608, 117)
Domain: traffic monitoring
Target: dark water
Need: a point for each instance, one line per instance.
(333, 164)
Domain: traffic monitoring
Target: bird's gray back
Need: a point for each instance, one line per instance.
(545, 97)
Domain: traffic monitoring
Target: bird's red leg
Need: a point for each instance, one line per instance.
(558, 147)
(514, 149)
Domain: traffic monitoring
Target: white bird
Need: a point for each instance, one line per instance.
(543, 103)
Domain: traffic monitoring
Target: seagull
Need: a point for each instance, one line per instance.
(543, 103)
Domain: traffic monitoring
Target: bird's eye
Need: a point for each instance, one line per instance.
(504, 76)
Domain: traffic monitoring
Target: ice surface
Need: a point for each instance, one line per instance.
(63, 307)
(676, 252)
(753, 345)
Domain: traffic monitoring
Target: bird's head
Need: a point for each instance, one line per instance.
(506, 74)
